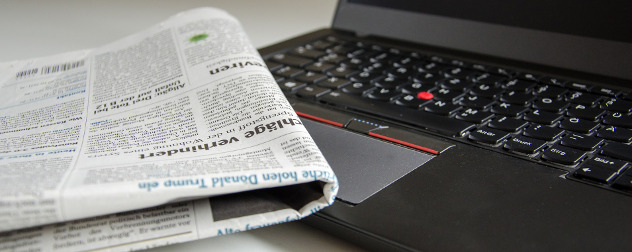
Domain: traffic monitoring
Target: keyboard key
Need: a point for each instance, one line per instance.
(584, 112)
(481, 67)
(399, 71)
(601, 169)
(363, 44)
(552, 92)
(618, 119)
(486, 90)
(617, 105)
(587, 99)
(553, 81)
(615, 134)
(542, 117)
(488, 135)
(341, 72)
(460, 63)
(355, 63)
(477, 102)
(529, 76)
(341, 49)
(277, 78)
(551, 105)
(382, 94)
(487, 78)
(391, 82)
(543, 132)
(447, 95)
(289, 72)
(507, 109)
(385, 57)
(606, 163)
(407, 61)
(333, 58)
(579, 86)
(354, 57)
(312, 92)
(518, 85)
(501, 71)
(563, 155)
(578, 125)
(442, 108)
(430, 67)
(363, 52)
(587, 143)
(597, 174)
(319, 67)
(432, 122)
(508, 124)
(617, 150)
(291, 86)
(356, 88)
(321, 44)
(524, 145)
(518, 98)
(623, 182)
(365, 76)
(310, 77)
(273, 66)
(474, 115)
(427, 78)
(291, 60)
(374, 67)
(455, 84)
(360, 48)
(415, 87)
(457, 72)
(307, 53)
(439, 59)
(606, 91)
(333, 82)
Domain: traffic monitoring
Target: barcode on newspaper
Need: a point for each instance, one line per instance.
(62, 67)
(26, 73)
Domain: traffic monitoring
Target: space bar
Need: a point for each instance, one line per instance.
(432, 122)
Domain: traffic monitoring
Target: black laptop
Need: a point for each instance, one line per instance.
(470, 125)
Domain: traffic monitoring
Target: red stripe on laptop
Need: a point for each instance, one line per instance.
(404, 143)
(319, 119)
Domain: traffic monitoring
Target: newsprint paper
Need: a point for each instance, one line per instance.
(175, 133)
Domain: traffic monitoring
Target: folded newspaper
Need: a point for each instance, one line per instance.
(176, 133)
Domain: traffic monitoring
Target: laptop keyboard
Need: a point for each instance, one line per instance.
(580, 127)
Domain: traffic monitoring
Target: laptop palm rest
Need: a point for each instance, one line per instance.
(363, 165)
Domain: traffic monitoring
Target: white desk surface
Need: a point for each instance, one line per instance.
(39, 28)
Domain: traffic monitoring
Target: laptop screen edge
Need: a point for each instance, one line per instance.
(591, 55)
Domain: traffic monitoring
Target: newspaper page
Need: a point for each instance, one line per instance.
(184, 110)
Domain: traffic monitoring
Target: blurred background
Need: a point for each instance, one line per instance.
(38, 28)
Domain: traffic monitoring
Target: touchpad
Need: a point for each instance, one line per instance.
(363, 165)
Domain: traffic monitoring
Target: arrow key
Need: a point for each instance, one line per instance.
(595, 173)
